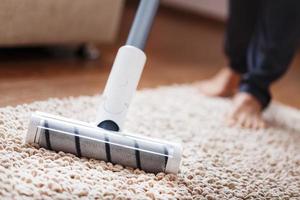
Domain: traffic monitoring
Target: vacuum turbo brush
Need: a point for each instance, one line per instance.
(106, 141)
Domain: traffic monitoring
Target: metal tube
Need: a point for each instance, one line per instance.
(142, 23)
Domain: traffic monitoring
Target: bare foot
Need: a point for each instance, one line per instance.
(246, 112)
(223, 84)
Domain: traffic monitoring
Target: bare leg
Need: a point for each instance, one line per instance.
(246, 112)
(223, 84)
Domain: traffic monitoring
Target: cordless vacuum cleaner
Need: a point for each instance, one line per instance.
(106, 141)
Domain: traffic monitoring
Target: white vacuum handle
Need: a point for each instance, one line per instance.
(120, 87)
(127, 69)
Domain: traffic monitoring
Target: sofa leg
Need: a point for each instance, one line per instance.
(88, 52)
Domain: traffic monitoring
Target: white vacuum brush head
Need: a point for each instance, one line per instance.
(86, 140)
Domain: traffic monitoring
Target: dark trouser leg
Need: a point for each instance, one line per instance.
(272, 47)
(240, 28)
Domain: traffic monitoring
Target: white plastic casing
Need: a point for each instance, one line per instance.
(32, 129)
(121, 85)
(173, 163)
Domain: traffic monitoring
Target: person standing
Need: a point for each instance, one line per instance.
(261, 39)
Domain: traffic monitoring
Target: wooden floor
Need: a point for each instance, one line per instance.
(182, 48)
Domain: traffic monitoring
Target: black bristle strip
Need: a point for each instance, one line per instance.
(107, 149)
(137, 155)
(47, 136)
(166, 152)
(77, 142)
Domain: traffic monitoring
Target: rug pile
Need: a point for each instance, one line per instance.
(219, 162)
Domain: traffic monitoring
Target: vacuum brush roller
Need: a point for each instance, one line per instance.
(86, 140)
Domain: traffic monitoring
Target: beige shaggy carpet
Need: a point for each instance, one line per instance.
(218, 162)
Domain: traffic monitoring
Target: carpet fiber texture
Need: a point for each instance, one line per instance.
(218, 162)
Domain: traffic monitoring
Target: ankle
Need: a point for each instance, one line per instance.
(248, 99)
